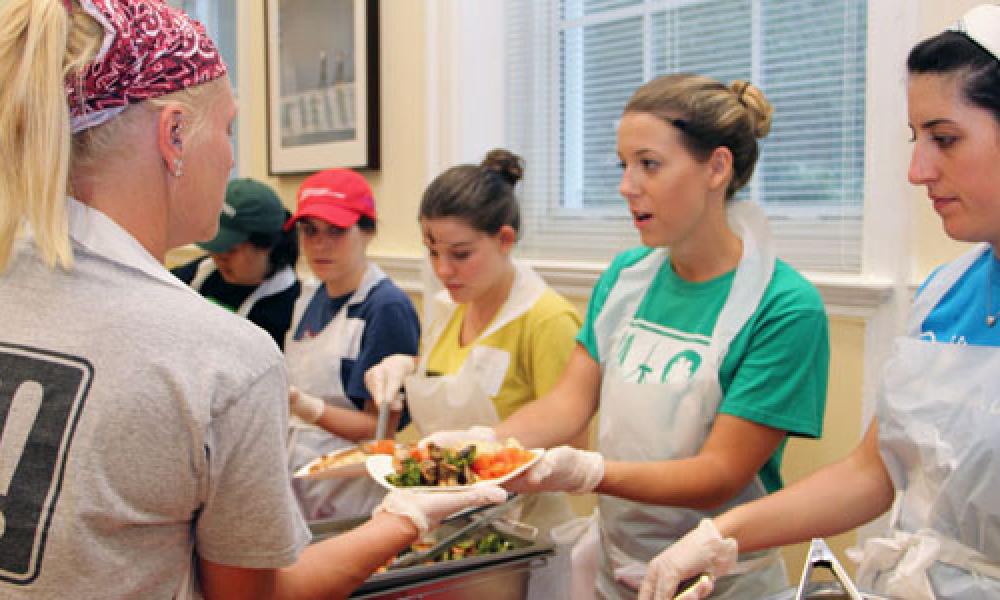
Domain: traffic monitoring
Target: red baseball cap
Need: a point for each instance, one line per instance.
(338, 196)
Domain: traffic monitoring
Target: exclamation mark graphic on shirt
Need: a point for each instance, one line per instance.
(21, 418)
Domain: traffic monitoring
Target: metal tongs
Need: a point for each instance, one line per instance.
(820, 555)
(382, 424)
(480, 516)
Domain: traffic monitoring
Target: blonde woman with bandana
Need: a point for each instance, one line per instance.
(142, 451)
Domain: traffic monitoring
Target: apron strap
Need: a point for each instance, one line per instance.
(277, 283)
(959, 555)
(910, 555)
(202, 272)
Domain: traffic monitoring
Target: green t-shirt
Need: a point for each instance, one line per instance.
(775, 372)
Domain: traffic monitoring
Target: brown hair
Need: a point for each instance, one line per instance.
(711, 115)
(482, 196)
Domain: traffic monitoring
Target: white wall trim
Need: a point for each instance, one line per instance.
(405, 271)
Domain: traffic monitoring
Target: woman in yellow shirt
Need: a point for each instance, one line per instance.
(500, 336)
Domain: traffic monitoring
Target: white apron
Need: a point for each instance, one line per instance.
(314, 367)
(280, 281)
(670, 419)
(939, 435)
(465, 399)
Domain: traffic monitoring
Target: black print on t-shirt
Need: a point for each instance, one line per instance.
(42, 394)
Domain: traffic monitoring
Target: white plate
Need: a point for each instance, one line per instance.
(352, 469)
(380, 466)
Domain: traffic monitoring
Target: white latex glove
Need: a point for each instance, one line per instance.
(562, 469)
(385, 380)
(449, 439)
(427, 509)
(304, 406)
(702, 551)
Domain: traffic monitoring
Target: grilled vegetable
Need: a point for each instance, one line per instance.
(438, 466)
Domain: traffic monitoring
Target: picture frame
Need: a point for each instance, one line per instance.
(322, 85)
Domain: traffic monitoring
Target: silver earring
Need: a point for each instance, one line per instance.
(177, 167)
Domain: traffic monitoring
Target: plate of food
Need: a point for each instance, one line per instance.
(347, 462)
(436, 469)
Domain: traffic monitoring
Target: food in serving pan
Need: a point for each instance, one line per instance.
(489, 542)
(436, 466)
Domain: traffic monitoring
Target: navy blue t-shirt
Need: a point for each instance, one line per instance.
(391, 326)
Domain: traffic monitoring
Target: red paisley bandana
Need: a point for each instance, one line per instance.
(149, 50)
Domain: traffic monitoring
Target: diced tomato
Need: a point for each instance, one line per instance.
(497, 464)
(383, 447)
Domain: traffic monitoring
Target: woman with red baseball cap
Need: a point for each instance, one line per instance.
(346, 320)
(143, 427)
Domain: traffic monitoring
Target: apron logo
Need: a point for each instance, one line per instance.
(681, 367)
(651, 357)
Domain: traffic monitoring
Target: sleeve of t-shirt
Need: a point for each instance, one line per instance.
(552, 342)
(782, 380)
(393, 329)
(249, 518)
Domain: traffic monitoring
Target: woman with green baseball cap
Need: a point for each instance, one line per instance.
(250, 267)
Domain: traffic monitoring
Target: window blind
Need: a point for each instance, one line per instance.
(572, 65)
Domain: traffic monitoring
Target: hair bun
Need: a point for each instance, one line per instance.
(758, 107)
(504, 163)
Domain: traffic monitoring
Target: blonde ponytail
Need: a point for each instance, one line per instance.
(39, 45)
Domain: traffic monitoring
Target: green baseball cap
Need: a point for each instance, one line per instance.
(250, 207)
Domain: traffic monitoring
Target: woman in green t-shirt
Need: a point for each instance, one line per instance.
(700, 352)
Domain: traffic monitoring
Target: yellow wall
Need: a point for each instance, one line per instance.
(400, 181)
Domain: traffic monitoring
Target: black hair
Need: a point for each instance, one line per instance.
(283, 247)
(366, 224)
(482, 196)
(951, 52)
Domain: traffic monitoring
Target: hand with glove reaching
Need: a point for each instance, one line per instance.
(385, 380)
(562, 469)
(427, 509)
(702, 551)
(304, 406)
(450, 439)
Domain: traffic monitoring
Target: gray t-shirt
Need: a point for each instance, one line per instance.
(139, 420)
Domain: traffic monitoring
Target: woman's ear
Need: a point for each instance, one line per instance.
(720, 164)
(170, 137)
(507, 237)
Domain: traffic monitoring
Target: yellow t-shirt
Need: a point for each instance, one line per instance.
(539, 343)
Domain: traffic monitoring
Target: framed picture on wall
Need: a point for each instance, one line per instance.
(322, 85)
